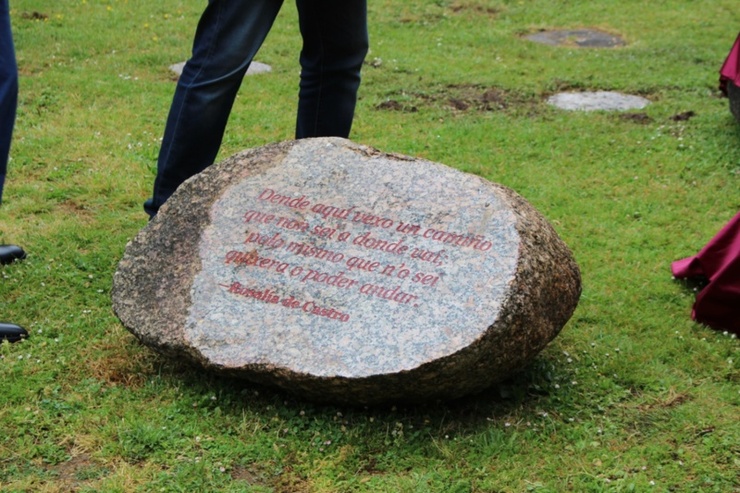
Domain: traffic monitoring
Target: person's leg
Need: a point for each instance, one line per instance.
(8, 89)
(8, 104)
(228, 36)
(335, 42)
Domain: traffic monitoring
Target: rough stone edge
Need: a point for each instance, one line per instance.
(144, 312)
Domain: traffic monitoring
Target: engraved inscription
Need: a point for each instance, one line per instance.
(343, 248)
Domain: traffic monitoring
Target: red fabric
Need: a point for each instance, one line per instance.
(730, 70)
(718, 304)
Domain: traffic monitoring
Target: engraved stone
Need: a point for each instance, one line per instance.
(341, 273)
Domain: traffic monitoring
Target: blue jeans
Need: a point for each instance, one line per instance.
(8, 90)
(335, 42)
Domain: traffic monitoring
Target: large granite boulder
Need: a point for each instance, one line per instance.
(341, 273)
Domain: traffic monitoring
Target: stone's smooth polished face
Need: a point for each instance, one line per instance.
(351, 265)
(345, 274)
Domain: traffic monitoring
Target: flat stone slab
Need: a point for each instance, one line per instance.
(254, 68)
(594, 101)
(341, 273)
(580, 38)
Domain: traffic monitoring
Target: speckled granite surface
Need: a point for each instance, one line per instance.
(344, 274)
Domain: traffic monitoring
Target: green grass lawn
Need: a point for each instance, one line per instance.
(632, 396)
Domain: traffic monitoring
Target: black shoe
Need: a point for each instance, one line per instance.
(12, 332)
(11, 253)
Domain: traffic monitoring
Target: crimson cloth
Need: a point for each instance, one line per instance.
(718, 303)
(730, 71)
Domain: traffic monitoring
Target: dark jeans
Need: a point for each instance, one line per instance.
(335, 42)
(8, 90)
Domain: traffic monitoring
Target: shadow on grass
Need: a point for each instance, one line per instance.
(522, 392)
